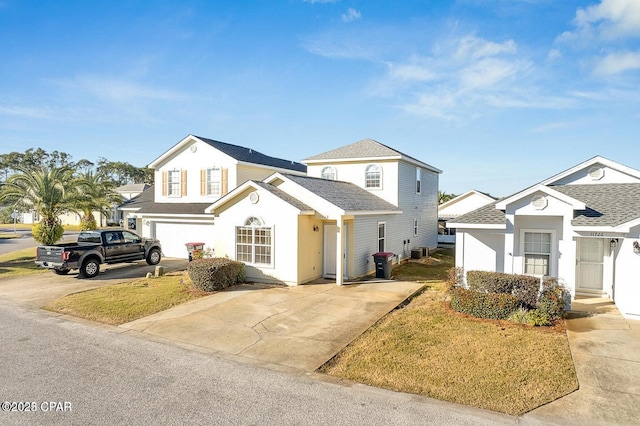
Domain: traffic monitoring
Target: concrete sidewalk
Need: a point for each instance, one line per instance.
(606, 352)
(293, 327)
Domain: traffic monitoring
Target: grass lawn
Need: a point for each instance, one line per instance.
(428, 349)
(19, 263)
(121, 303)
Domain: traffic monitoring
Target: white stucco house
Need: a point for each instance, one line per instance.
(189, 177)
(581, 225)
(456, 207)
(357, 200)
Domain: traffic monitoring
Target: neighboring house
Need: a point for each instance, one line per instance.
(357, 200)
(189, 177)
(456, 207)
(127, 192)
(581, 225)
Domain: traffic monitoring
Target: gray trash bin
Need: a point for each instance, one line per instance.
(383, 264)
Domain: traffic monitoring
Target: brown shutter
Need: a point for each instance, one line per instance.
(164, 183)
(203, 182)
(225, 180)
(183, 182)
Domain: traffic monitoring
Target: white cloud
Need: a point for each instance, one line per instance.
(115, 90)
(608, 20)
(475, 47)
(351, 15)
(490, 72)
(616, 63)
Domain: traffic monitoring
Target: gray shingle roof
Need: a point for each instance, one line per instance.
(344, 195)
(249, 155)
(609, 204)
(283, 195)
(366, 148)
(145, 204)
(485, 215)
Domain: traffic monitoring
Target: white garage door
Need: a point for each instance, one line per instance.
(174, 236)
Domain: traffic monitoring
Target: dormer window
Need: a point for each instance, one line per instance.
(328, 173)
(373, 177)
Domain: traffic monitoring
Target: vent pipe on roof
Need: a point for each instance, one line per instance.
(250, 151)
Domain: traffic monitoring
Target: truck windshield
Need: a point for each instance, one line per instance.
(89, 237)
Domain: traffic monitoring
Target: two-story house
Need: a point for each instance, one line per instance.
(581, 225)
(189, 177)
(356, 200)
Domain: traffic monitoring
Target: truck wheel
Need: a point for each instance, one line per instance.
(61, 271)
(90, 268)
(154, 256)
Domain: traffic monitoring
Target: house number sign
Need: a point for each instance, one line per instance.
(597, 234)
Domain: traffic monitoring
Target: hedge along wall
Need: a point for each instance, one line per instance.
(524, 287)
(483, 305)
(215, 274)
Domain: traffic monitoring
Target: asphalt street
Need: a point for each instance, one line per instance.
(12, 244)
(72, 372)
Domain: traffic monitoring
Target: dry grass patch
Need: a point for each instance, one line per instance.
(434, 267)
(121, 303)
(19, 263)
(427, 349)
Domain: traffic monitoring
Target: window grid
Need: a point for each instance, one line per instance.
(372, 177)
(537, 253)
(254, 242)
(214, 181)
(328, 173)
(173, 177)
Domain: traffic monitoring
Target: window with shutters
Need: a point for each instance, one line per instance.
(173, 183)
(214, 181)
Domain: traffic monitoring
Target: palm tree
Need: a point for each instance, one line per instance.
(50, 191)
(98, 195)
(444, 197)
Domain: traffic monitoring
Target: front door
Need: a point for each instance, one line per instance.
(329, 241)
(590, 265)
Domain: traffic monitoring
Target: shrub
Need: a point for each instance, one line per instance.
(47, 232)
(519, 316)
(483, 305)
(88, 223)
(524, 287)
(215, 273)
(553, 299)
(536, 317)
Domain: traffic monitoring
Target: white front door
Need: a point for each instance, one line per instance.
(590, 265)
(329, 250)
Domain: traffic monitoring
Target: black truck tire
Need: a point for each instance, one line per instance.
(61, 271)
(154, 256)
(90, 268)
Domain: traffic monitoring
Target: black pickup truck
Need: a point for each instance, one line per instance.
(96, 247)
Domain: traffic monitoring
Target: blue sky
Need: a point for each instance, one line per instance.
(499, 94)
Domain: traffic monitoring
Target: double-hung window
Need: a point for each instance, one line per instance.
(382, 231)
(254, 242)
(373, 177)
(418, 180)
(214, 179)
(537, 253)
(173, 182)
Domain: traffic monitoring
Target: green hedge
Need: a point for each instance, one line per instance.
(553, 299)
(483, 305)
(215, 274)
(524, 287)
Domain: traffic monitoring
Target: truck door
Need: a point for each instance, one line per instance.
(114, 245)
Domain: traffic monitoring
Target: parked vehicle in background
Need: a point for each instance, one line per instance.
(94, 248)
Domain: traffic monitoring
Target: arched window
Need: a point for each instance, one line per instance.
(373, 177)
(254, 242)
(328, 173)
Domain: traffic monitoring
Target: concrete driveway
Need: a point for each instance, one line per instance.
(37, 290)
(279, 327)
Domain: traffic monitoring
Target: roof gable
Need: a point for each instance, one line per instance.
(366, 150)
(463, 204)
(238, 153)
(578, 173)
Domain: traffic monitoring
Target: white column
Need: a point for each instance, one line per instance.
(339, 252)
